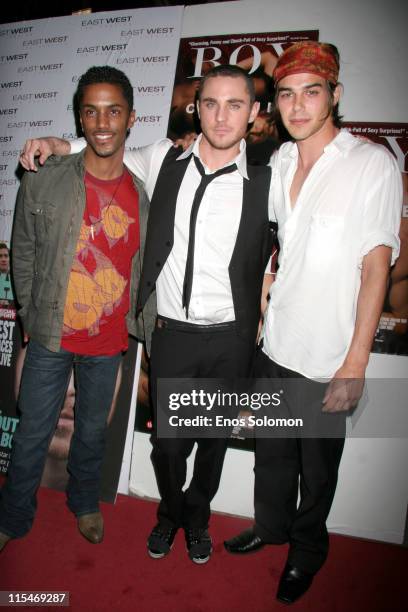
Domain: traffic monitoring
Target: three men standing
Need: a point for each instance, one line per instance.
(337, 203)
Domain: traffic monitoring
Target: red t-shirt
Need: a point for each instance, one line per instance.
(98, 288)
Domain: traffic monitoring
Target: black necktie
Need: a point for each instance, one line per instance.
(198, 196)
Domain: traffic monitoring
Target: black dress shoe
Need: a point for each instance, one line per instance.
(244, 543)
(199, 545)
(160, 541)
(293, 584)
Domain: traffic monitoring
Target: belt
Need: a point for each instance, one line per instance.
(173, 324)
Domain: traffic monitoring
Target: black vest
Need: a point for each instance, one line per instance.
(252, 249)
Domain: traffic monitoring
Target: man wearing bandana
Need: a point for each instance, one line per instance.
(337, 201)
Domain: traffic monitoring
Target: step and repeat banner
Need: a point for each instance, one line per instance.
(40, 63)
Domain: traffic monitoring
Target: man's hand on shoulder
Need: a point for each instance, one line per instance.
(186, 140)
(42, 148)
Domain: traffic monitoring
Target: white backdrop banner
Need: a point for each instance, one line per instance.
(41, 61)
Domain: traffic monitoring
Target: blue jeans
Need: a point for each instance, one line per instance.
(43, 386)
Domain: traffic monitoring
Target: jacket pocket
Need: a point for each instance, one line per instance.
(44, 215)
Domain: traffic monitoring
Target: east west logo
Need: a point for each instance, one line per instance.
(144, 59)
(31, 124)
(40, 68)
(10, 84)
(149, 89)
(16, 31)
(148, 31)
(106, 21)
(148, 118)
(17, 57)
(38, 95)
(51, 40)
(102, 48)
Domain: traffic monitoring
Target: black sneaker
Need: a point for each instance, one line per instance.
(160, 541)
(199, 544)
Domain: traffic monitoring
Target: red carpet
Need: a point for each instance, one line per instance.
(118, 575)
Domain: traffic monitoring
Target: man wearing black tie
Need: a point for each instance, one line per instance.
(207, 245)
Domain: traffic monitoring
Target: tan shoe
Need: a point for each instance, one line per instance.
(4, 538)
(91, 527)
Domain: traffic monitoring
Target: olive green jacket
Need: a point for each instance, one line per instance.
(49, 211)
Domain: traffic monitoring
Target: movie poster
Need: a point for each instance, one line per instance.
(256, 53)
(392, 333)
(10, 339)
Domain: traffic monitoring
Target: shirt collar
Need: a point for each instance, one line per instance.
(341, 144)
(240, 160)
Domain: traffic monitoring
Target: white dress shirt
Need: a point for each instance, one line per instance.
(349, 203)
(216, 232)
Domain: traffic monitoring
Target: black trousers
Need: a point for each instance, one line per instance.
(189, 353)
(285, 467)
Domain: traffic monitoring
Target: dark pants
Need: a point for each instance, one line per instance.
(43, 386)
(192, 353)
(286, 466)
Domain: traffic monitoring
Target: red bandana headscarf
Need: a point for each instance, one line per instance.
(308, 56)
